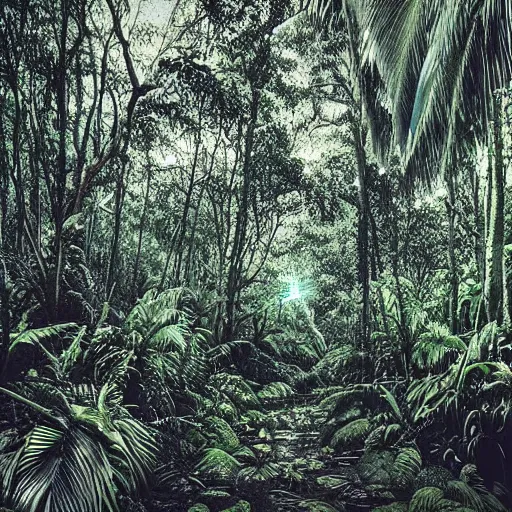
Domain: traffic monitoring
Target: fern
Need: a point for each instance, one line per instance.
(406, 467)
(218, 464)
(463, 493)
(427, 499)
(260, 473)
(275, 390)
(351, 433)
(225, 437)
(437, 348)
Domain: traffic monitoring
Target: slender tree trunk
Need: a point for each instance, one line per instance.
(120, 192)
(142, 225)
(363, 239)
(495, 232)
(235, 263)
(452, 260)
(5, 318)
(4, 184)
(359, 135)
(187, 205)
(61, 174)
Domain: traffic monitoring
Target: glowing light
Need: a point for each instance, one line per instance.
(293, 292)
(170, 160)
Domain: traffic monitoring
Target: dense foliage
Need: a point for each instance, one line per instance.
(255, 255)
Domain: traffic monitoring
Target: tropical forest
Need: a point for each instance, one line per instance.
(255, 255)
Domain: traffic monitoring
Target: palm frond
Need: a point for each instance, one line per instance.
(37, 336)
(225, 349)
(427, 499)
(217, 463)
(51, 467)
(437, 348)
(440, 69)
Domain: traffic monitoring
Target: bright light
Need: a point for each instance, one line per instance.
(169, 161)
(440, 193)
(293, 292)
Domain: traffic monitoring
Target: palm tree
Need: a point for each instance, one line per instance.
(82, 448)
(441, 65)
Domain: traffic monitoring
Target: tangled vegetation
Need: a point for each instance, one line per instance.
(255, 255)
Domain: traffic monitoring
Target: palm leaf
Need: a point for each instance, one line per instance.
(463, 493)
(37, 336)
(440, 69)
(217, 463)
(52, 466)
(427, 499)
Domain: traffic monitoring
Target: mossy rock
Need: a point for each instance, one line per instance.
(433, 476)
(241, 506)
(376, 467)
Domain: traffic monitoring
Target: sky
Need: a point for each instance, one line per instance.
(156, 11)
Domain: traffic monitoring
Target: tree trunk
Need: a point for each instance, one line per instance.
(452, 260)
(495, 231)
(120, 191)
(235, 260)
(363, 239)
(142, 224)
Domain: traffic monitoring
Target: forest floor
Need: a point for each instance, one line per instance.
(315, 475)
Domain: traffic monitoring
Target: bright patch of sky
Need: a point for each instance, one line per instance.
(156, 11)
(170, 160)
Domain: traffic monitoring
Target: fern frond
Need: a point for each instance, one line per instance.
(37, 336)
(406, 467)
(351, 433)
(426, 499)
(219, 464)
(463, 493)
(275, 390)
(224, 436)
